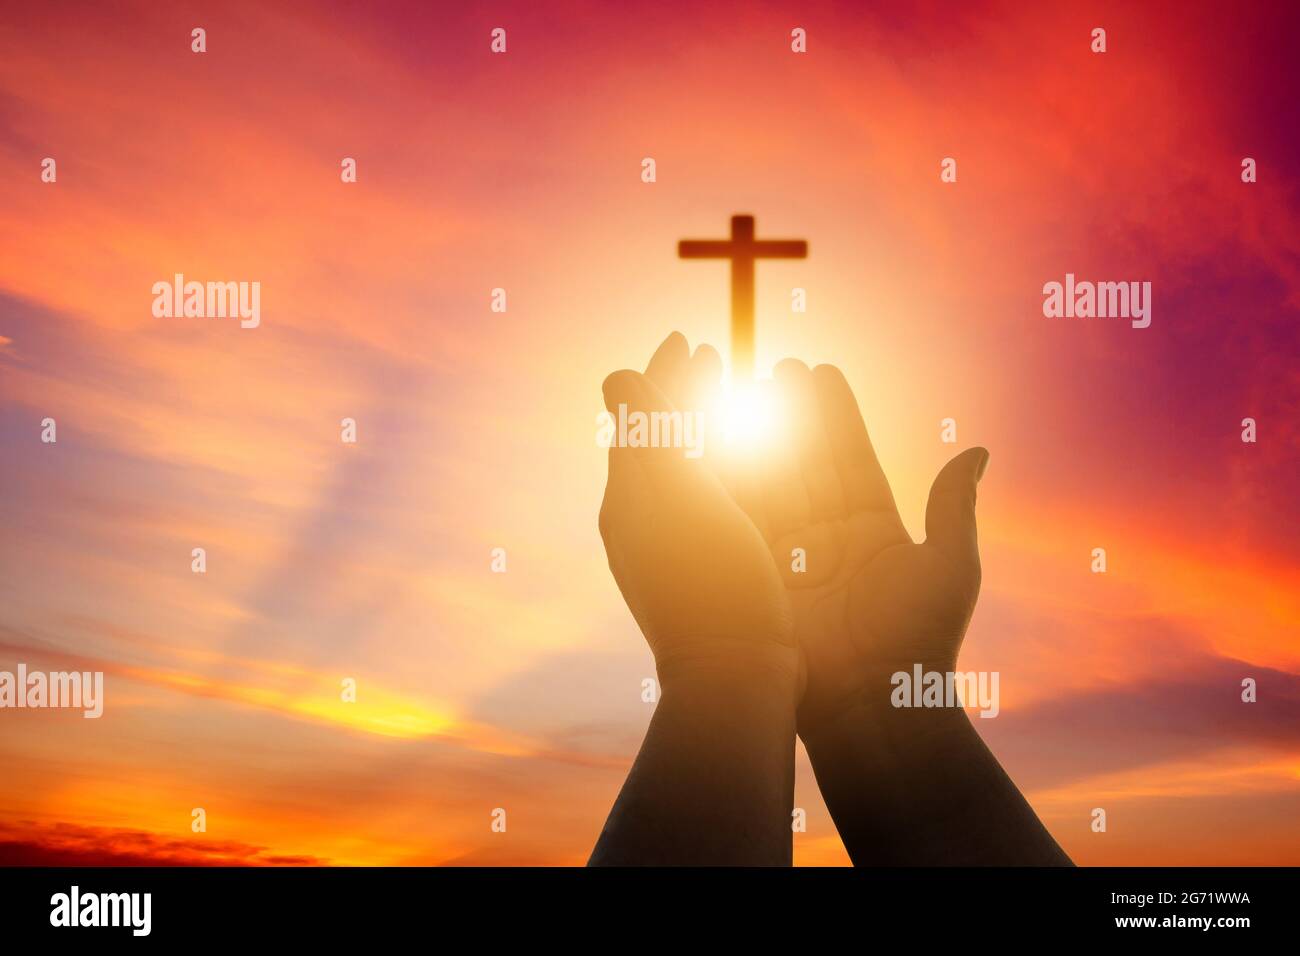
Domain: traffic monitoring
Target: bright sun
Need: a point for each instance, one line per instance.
(748, 414)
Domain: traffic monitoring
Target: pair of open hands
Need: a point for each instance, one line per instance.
(703, 549)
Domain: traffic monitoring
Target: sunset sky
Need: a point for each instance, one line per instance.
(476, 429)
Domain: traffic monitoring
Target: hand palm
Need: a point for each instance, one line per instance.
(881, 604)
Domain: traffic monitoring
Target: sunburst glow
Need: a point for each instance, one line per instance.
(749, 415)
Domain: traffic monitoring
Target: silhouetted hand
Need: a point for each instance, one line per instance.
(692, 567)
(713, 782)
(905, 786)
(870, 601)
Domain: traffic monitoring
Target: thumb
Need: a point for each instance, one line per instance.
(625, 392)
(950, 514)
(624, 387)
(649, 441)
(620, 389)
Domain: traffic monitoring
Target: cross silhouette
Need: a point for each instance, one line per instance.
(742, 249)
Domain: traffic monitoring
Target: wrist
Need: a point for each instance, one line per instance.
(732, 664)
(900, 736)
(871, 690)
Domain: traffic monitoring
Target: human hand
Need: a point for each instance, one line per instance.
(905, 787)
(713, 782)
(693, 568)
(870, 602)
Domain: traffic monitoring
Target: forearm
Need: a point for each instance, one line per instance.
(713, 783)
(918, 787)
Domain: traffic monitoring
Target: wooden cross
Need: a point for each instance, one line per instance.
(742, 249)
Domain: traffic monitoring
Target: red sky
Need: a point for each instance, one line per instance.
(522, 171)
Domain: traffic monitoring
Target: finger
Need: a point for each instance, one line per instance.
(861, 478)
(703, 378)
(650, 431)
(667, 368)
(807, 432)
(700, 399)
(950, 513)
(621, 388)
(619, 391)
(785, 498)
